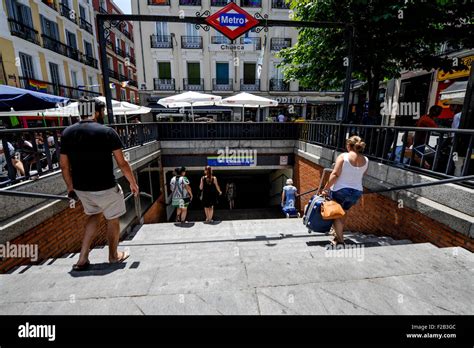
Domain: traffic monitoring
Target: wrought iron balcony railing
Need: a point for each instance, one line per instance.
(159, 2)
(222, 84)
(23, 31)
(250, 85)
(257, 41)
(190, 2)
(164, 84)
(55, 89)
(86, 25)
(113, 74)
(191, 42)
(251, 3)
(193, 84)
(280, 4)
(68, 13)
(279, 85)
(120, 52)
(161, 41)
(220, 2)
(220, 40)
(277, 44)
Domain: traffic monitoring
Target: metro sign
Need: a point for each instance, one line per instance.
(232, 21)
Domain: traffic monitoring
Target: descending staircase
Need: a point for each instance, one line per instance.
(248, 267)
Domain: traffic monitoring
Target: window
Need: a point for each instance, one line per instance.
(54, 70)
(162, 29)
(90, 81)
(21, 13)
(118, 44)
(49, 28)
(164, 70)
(132, 97)
(88, 49)
(120, 69)
(74, 78)
(109, 63)
(250, 70)
(123, 94)
(277, 72)
(82, 13)
(191, 30)
(222, 73)
(27, 68)
(71, 39)
(194, 73)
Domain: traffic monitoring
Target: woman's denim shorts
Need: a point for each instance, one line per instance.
(346, 197)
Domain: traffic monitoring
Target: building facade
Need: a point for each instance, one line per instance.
(49, 46)
(120, 55)
(177, 57)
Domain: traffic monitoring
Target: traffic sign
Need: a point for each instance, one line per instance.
(232, 21)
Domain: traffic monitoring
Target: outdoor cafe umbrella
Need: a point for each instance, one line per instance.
(20, 99)
(191, 99)
(247, 100)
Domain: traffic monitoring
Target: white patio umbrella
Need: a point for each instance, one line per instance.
(247, 100)
(191, 99)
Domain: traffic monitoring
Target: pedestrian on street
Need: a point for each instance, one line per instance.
(230, 193)
(210, 189)
(345, 182)
(181, 194)
(88, 171)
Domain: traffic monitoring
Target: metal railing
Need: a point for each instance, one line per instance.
(251, 3)
(85, 25)
(164, 84)
(280, 4)
(279, 85)
(220, 40)
(23, 31)
(257, 41)
(25, 162)
(219, 2)
(56, 89)
(222, 84)
(191, 42)
(249, 85)
(277, 44)
(120, 52)
(438, 152)
(161, 41)
(68, 13)
(193, 84)
(68, 51)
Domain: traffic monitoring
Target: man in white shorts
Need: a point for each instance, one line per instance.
(87, 167)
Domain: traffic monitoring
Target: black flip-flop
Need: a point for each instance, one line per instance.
(80, 268)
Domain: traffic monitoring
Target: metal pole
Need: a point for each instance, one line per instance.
(105, 68)
(347, 85)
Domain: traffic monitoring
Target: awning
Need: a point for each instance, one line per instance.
(455, 93)
(20, 99)
(162, 110)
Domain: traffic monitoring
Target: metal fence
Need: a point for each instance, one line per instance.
(438, 152)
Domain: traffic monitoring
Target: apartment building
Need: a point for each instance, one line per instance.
(120, 55)
(177, 57)
(49, 46)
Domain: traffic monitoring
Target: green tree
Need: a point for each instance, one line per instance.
(390, 36)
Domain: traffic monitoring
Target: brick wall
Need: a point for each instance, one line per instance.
(379, 215)
(56, 236)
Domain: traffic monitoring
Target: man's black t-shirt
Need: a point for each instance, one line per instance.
(89, 147)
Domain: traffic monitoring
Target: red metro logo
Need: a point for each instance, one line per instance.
(232, 21)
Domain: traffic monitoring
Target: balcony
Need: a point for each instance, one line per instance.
(219, 2)
(190, 2)
(250, 85)
(191, 42)
(307, 89)
(277, 44)
(89, 60)
(220, 40)
(251, 3)
(279, 85)
(127, 34)
(131, 58)
(159, 2)
(256, 41)
(50, 3)
(68, 13)
(57, 89)
(120, 52)
(164, 84)
(110, 45)
(193, 84)
(161, 41)
(113, 74)
(133, 83)
(23, 31)
(86, 25)
(122, 77)
(222, 84)
(280, 4)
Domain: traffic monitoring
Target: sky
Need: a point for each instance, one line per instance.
(125, 6)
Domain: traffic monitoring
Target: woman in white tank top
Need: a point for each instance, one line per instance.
(345, 183)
